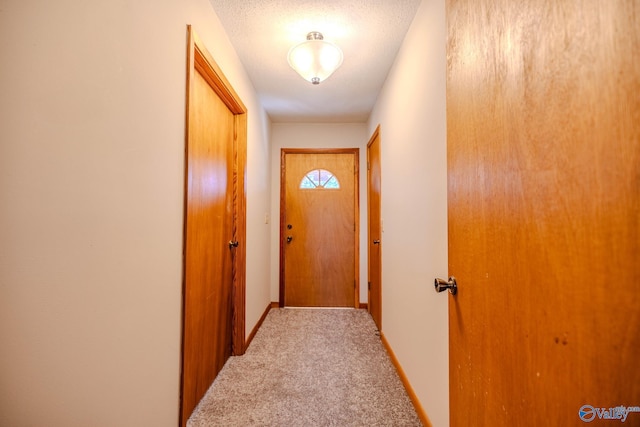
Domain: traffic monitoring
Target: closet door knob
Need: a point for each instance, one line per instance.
(442, 285)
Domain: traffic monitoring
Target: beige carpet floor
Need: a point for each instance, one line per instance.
(309, 367)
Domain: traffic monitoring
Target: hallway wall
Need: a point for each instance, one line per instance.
(91, 192)
(316, 135)
(412, 117)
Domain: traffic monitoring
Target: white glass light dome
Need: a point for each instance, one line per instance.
(315, 59)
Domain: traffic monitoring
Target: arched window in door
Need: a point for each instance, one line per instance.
(320, 178)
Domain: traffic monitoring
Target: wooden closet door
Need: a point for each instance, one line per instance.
(543, 119)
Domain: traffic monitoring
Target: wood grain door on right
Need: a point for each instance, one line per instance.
(375, 229)
(543, 134)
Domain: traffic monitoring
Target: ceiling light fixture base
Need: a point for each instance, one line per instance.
(315, 35)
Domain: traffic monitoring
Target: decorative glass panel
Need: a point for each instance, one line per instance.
(307, 183)
(332, 183)
(320, 178)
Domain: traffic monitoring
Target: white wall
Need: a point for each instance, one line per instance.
(411, 113)
(91, 207)
(316, 135)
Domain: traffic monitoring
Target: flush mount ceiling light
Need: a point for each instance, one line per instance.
(315, 59)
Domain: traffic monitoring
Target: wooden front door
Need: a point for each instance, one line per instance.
(375, 228)
(319, 228)
(543, 133)
(213, 295)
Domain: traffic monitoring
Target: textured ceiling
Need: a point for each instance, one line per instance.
(369, 32)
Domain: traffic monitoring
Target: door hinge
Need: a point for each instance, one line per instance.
(369, 285)
(368, 166)
(354, 283)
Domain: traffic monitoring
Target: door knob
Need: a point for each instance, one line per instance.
(233, 244)
(376, 242)
(442, 285)
(289, 239)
